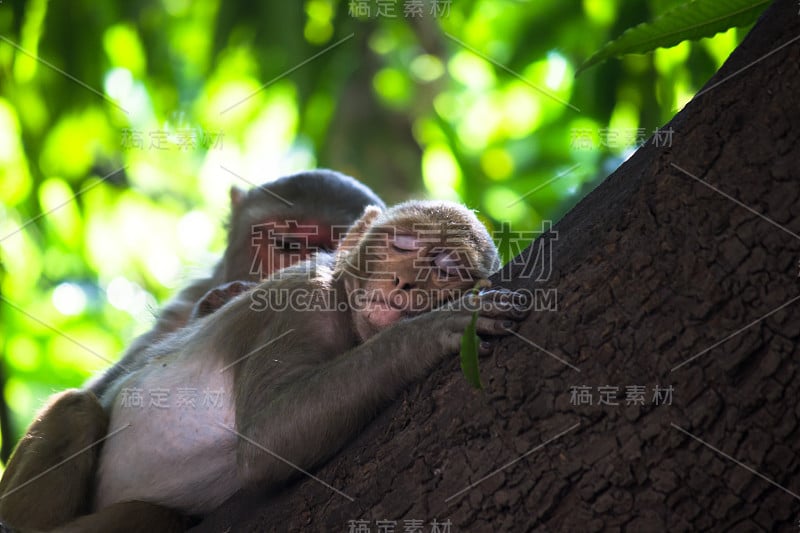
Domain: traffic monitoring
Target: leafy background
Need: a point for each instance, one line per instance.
(124, 124)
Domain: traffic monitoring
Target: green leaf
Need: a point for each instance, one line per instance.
(692, 20)
(469, 354)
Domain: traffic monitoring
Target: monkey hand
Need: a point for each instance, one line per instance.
(499, 313)
(219, 296)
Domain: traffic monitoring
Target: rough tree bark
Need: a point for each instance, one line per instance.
(662, 280)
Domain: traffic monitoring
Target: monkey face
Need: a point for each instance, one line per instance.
(403, 274)
(277, 244)
(410, 259)
(287, 220)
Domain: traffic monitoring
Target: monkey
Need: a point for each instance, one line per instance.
(297, 382)
(270, 227)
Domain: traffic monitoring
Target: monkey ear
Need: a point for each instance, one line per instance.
(351, 239)
(237, 196)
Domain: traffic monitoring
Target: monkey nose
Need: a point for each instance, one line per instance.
(403, 284)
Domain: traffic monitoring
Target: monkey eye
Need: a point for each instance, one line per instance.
(288, 245)
(449, 263)
(405, 243)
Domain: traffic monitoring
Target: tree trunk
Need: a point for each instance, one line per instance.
(680, 270)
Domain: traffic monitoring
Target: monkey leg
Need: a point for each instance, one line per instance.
(48, 480)
(219, 296)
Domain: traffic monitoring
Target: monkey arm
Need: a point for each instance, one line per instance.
(305, 416)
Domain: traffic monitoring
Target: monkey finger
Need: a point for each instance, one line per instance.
(485, 348)
(502, 308)
(515, 299)
(492, 310)
(497, 294)
(491, 326)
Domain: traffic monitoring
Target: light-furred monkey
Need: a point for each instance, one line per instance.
(272, 226)
(298, 380)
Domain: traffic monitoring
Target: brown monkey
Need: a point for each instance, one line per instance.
(296, 382)
(272, 226)
(301, 377)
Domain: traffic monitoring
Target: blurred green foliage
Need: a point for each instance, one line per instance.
(124, 124)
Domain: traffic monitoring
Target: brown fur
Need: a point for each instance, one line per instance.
(299, 383)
